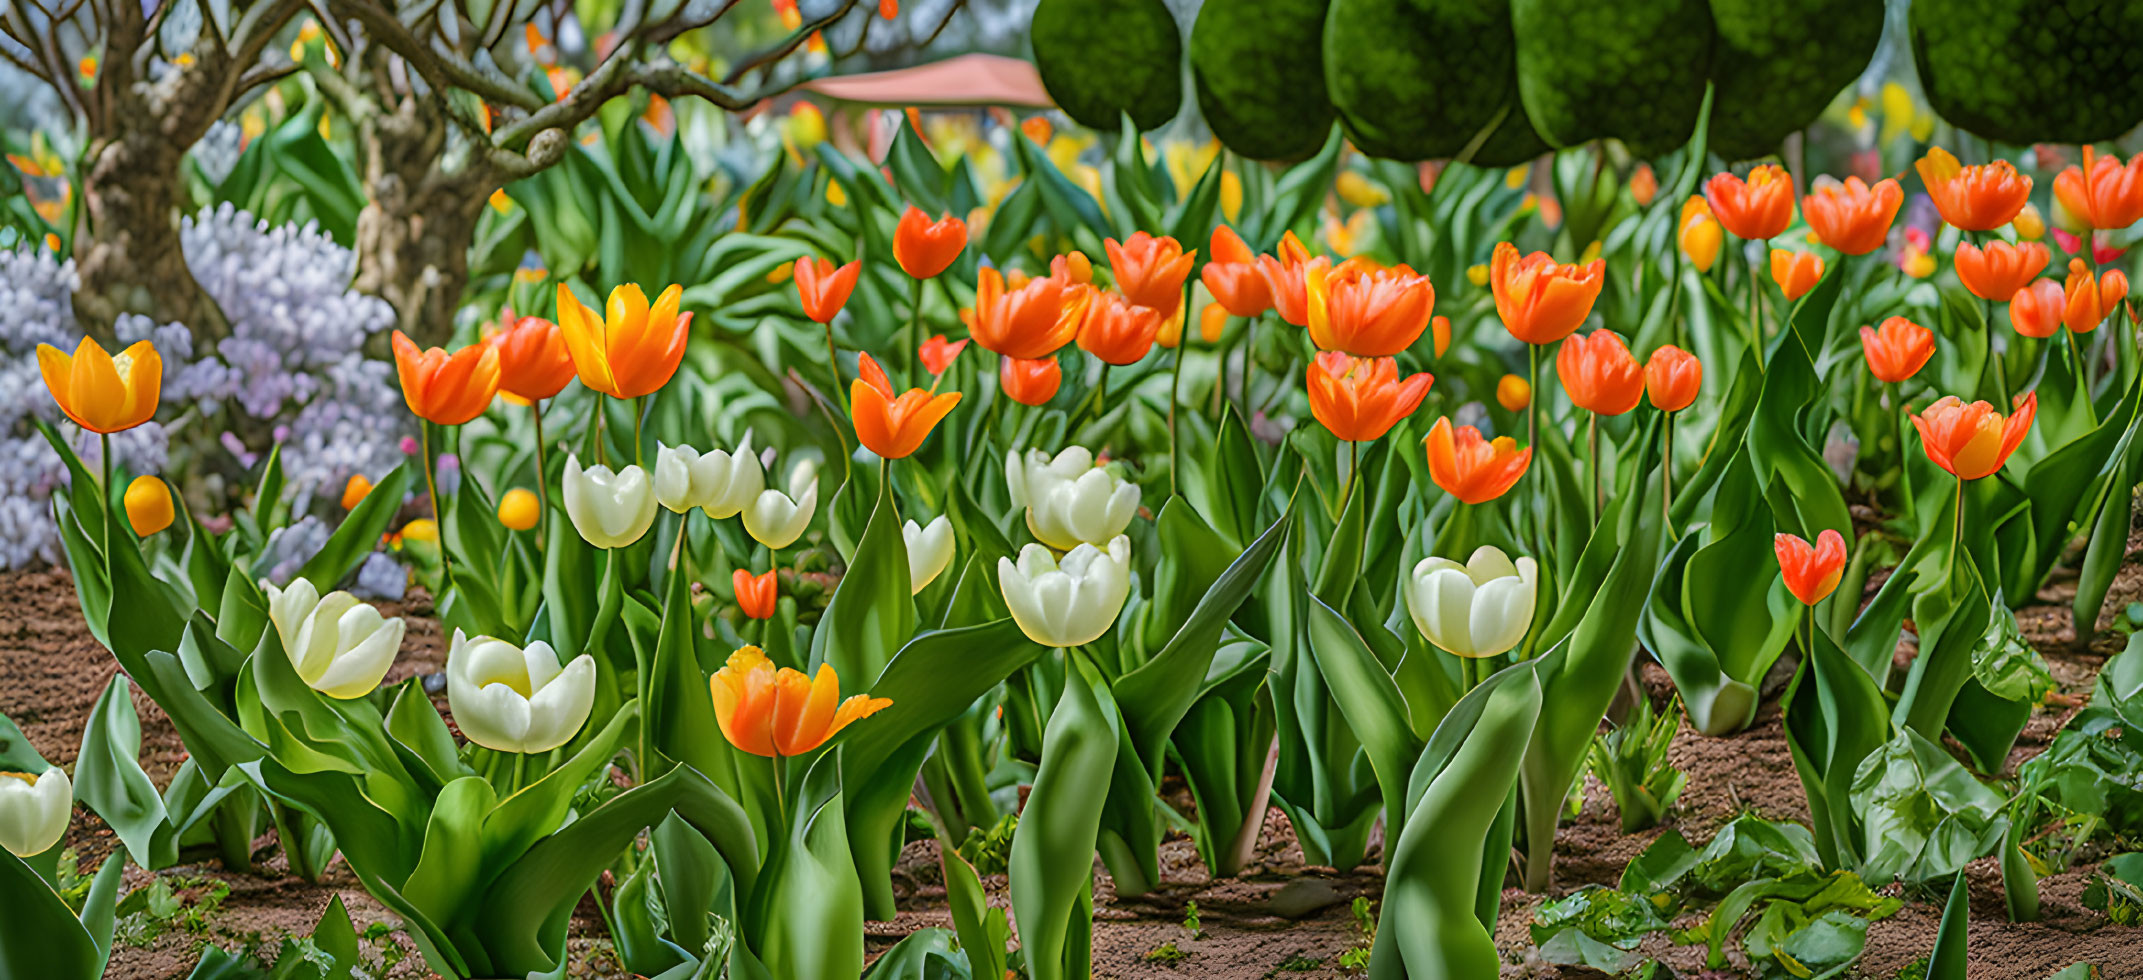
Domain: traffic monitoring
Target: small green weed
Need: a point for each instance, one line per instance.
(168, 903)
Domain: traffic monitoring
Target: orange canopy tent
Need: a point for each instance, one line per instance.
(963, 80)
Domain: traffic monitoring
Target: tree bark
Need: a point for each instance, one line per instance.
(414, 234)
(130, 260)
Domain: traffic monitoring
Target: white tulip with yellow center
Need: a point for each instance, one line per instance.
(720, 483)
(929, 551)
(517, 699)
(339, 644)
(1478, 609)
(609, 509)
(34, 811)
(1069, 602)
(777, 519)
(1069, 500)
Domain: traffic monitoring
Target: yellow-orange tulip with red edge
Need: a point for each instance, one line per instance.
(1539, 301)
(2037, 309)
(1976, 198)
(1118, 330)
(824, 288)
(1852, 217)
(1231, 275)
(2102, 191)
(1473, 469)
(1759, 207)
(1032, 320)
(1029, 382)
(924, 247)
(533, 361)
(782, 712)
(102, 393)
(1973, 441)
(2087, 301)
(1366, 311)
(1599, 373)
(1795, 272)
(1150, 271)
(1811, 571)
(756, 594)
(1897, 350)
(148, 505)
(1672, 378)
(893, 426)
(1999, 270)
(1360, 399)
(631, 349)
(446, 389)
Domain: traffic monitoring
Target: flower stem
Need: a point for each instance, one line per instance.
(1175, 384)
(833, 363)
(1756, 322)
(1957, 530)
(431, 491)
(1532, 441)
(543, 481)
(1592, 456)
(915, 320)
(639, 408)
(104, 486)
(1666, 476)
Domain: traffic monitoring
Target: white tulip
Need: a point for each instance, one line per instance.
(777, 519)
(516, 699)
(720, 483)
(1069, 500)
(929, 551)
(1070, 602)
(1478, 609)
(610, 510)
(339, 644)
(34, 811)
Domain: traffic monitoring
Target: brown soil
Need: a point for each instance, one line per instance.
(51, 673)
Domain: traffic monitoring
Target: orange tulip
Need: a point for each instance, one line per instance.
(1976, 198)
(1757, 208)
(102, 393)
(1796, 272)
(1284, 279)
(756, 594)
(1118, 330)
(1033, 320)
(1852, 217)
(1029, 382)
(1539, 301)
(1644, 185)
(823, 288)
(1898, 350)
(1231, 275)
(937, 354)
(1150, 271)
(2037, 309)
(2102, 192)
(1473, 469)
(1212, 322)
(355, 491)
(1072, 266)
(892, 426)
(1440, 333)
(630, 350)
(1811, 571)
(1360, 399)
(2087, 302)
(1974, 440)
(769, 712)
(1365, 311)
(1672, 377)
(446, 389)
(1513, 393)
(924, 247)
(1599, 374)
(533, 361)
(1999, 270)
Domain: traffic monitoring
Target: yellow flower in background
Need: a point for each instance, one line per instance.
(500, 202)
(1590, 253)
(251, 124)
(1857, 116)
(1231, 194)
(1188, 161)
(1065, 149)
(2029, 225)
(148, 505)
(806, 125)
(421, 529)
(1360, 191)
(1699, 235)
(1477, 274)
(1514, 178)
(1345, 239)
(519, 509)
(835, 195)
(52, 241)
(324, 131)
(1513, 393)
(1902, 114)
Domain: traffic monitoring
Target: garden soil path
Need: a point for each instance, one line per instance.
(1280, 920)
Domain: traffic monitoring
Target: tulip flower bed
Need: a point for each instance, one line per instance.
(1137, 577)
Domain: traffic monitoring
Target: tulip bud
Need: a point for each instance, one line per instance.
(1513, 393)
(516, 699)
(777, 519)
(929, 551)
(1069, 500)
(2029, 225)
(148, 505)
(339, 645)
(354, 492)
(1479, 609)
(1067, 603)
(717, 482)
(34, 811)
(519, 509)
(610, 510)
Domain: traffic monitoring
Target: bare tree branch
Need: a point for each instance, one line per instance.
(264, 74)
(788, 45)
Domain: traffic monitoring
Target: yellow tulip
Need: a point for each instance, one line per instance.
(102, 393)
(1513, 393)
(519, 509)
(148, 505)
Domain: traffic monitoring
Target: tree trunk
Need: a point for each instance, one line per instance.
(414, 234)
(129, 259)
